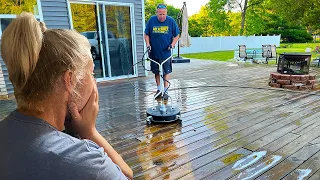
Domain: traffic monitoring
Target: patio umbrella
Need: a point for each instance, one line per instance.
(185, 38)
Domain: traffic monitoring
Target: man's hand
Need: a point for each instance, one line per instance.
(149, 48)
(170, 47)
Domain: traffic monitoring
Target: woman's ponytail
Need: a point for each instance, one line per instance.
(21, 45)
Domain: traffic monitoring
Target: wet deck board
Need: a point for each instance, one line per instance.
(204, 159)
(279, 136)
(234, 125)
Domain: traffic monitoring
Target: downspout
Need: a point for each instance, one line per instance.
(143, 28)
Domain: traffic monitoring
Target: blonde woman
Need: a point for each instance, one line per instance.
(51, 71)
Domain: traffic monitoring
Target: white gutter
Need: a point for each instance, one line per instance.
(143, 28)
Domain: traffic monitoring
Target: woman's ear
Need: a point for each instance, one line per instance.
(68, 81)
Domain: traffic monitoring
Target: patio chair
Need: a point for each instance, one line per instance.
(274, 52)
(243, 52)
(266, 52)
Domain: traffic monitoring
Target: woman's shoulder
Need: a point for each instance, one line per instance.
(84, 157)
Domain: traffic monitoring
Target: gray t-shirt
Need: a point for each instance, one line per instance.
(33, 149)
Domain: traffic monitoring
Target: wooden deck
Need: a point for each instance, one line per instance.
(234, 126)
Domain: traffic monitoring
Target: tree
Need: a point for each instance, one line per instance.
(219, 17)
(200, 24)
(303, 12)
(220, 7)
(243, 6)
(234, 19)
(195, 29)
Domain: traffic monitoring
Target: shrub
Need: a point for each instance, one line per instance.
(293, 35)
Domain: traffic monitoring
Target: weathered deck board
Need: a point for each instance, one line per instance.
(279, 156)
(230, 118)
(200, 152)
(210, 117)
(256, 135)
(256, 146)
(292, 162)
(186, 120)
(238, 125)
(272, 148)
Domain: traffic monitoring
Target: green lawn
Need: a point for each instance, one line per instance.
(228, 55)
(217, 55)
(298, 47)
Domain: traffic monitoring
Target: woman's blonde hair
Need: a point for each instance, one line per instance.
(37, 57)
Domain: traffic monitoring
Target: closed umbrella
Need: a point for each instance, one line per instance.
(185, 38)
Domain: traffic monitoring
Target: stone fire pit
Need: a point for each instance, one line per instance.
(293, 72)
(292, 82)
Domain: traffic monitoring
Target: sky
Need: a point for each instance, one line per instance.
(193, 6)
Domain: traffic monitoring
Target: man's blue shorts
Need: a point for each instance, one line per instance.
(167, 66)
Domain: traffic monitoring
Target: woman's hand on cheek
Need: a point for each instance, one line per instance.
(84, 121)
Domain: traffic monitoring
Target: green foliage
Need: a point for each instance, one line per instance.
(290, 18)
(235, 18)
(303, 12)
(195, 29)
(17, 6)
(293, 35)
(219, 17)
(257, 20)
(201, 24)
(173, 12)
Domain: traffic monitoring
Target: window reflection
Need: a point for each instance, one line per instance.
(17, 7)
(120, 41)
(5, 23)
(85, 22)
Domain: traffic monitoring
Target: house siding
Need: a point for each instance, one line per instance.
(3, 88)
(55, 14)
(6, 87)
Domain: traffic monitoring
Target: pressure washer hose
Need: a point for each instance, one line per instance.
(207, 86)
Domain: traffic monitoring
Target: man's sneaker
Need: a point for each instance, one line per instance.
(165, 96)
(157, 95)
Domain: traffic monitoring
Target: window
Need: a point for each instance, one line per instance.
(5, 21)
(10, 8)
(89, 35)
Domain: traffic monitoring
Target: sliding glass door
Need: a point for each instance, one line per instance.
(84, 19)
(119, 39)
(116, 26)
(109, 29)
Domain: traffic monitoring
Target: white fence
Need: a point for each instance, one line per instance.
(223, 43)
